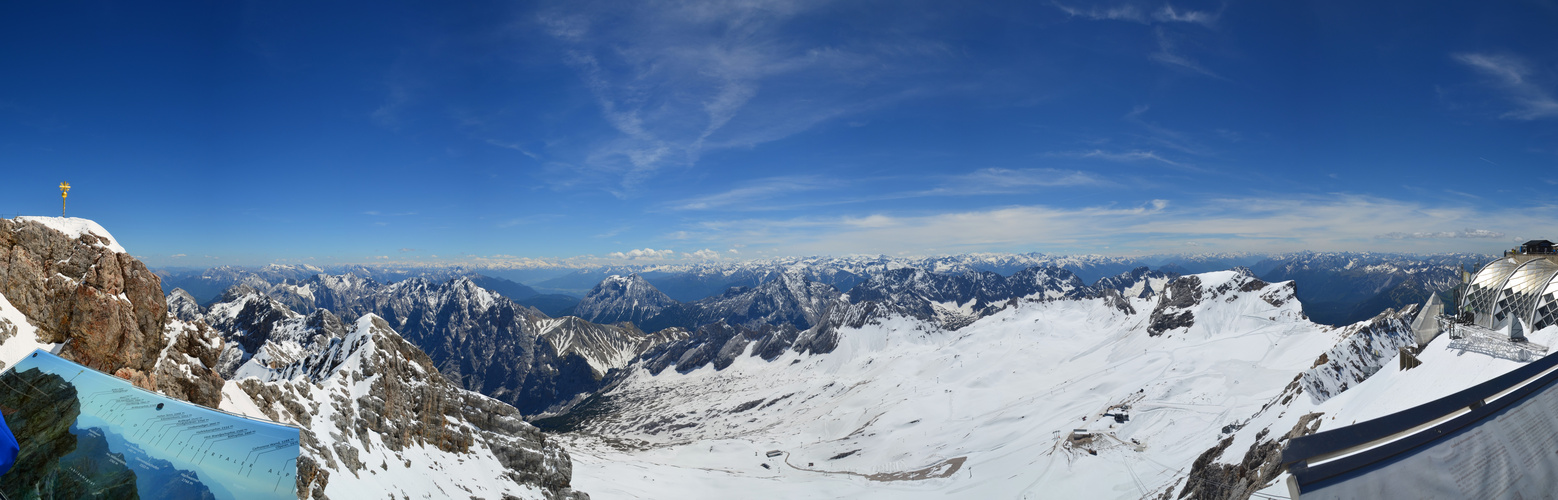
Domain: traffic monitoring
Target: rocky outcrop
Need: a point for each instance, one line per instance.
(1365, 348)
(953, 301)
(720, 344)
(104, 305)
(407, 405)
(186, 369)
(481, 340)
(1172, 311)
(1258, 468)
(1140, 283)
(256, 328)
(622, 298)
(183, 306)
(788, 299)
(604, 347)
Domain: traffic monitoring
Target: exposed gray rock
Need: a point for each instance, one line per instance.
(105, 306)
(1139, 283)
(622, 298)
(409, 404)
(183, 306)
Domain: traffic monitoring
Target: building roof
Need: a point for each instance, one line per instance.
(1514, 289)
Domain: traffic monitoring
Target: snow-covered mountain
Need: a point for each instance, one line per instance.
(359, 391)
(622, 298)
(480, 340)
(604, 347)
(378, 419)
(1138, 283)
(1342, 288)
(792, 298)
(905, 407)
(789, 298)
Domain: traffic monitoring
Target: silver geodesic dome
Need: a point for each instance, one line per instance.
(1514, 288)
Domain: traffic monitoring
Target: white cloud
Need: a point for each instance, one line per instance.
(1169, 14)
(1329, 222)
(1119, 156)
(760, 189)
(1115, 13)
(992, 180)
(1464, 233)
(1168, 52)
(178, 255)
(706, 254)
(1512, 75)
(1132, 13)
(645, 253)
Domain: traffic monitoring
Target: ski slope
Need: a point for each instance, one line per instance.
(986, 411)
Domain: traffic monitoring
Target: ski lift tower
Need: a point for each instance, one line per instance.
(64, 191)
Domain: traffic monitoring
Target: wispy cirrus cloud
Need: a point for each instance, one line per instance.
(1169, 14)
(775, 193)
(1006, 180)
(1168, 50)
(674, 80)
(1130, 13)
(1169, 53)
(1138, 14)
(758, 190)
(1129, 156)
(1513, 77)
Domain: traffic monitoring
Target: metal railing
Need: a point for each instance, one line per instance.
(1318, 457)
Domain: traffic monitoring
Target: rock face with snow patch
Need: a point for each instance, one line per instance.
(82, 290)
(379, 419)
(186, 369)
(261, 332)
(1344, 288)
(1174, 310)
(604, 347)
(719, 345)
(622, 298)
(1139, 283)
(787, 298)
(182, 306)
(1366, 347)
(955, 300)
(478, 339)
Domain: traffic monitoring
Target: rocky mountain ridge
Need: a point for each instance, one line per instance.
(477, 338)
(370, 399)
(67, 286)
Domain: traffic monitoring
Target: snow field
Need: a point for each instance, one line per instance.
(1004, 392)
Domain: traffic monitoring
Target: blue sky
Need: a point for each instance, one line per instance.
(246, 133)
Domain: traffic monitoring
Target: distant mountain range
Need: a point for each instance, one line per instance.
(611, 363)
(1337, 288)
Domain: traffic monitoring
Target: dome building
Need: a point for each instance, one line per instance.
(1518, 291)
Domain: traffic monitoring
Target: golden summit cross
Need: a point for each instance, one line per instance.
(64, 191)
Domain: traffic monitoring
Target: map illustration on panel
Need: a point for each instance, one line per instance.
(86, 434)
